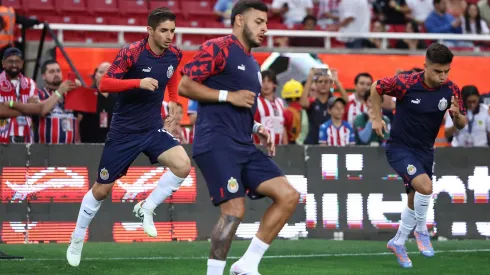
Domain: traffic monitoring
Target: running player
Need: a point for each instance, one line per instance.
(226, 80)
(140, 73)
(422, 101)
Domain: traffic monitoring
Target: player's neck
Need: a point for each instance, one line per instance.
(336, 122)
(240, 38)
(154, 48)
(427, 83)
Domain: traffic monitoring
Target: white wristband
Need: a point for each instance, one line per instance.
(223, 94)
(256, 127)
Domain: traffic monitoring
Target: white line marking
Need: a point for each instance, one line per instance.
(266, 257)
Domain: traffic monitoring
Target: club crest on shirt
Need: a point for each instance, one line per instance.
(170, 71)
(104, 174)
(260, 77)
(442, 104)
(411, 170)
(232, 185)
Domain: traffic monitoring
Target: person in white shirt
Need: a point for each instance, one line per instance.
(292, 11)
(420, 9)
(354, 17)
(472, 22)
(477, 130)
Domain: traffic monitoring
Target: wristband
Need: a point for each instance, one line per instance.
(256, 127)
(11, 104)
(58, 94)
(223, 94)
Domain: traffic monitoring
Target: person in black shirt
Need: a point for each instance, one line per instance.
(391, 12)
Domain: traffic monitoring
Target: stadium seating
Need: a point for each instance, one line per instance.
(133, 7)
(107, 7)
(16, 4)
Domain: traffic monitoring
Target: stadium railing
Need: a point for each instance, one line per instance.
(270, 33)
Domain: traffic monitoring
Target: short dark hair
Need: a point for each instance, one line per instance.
(309, 17)
(160, 15)
(468, 91)
(435, 2)
(269, 74)
(243, 6)
(362, 75)
(439, 54)
(44, 66)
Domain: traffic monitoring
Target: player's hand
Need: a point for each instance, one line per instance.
(171, 123)
(266, 140)
(149, 83)
(66, 86)
(379, 126)
(454, 106)
(242, 98)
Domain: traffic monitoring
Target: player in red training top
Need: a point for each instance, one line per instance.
(139, 75)
(226, 80)
(422, 101)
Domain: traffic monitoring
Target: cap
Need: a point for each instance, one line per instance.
(333, 100)
(292, 89)
(10, 52)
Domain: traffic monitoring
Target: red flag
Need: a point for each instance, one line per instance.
(81, 99)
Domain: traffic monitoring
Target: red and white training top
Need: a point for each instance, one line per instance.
(353, 109)
(271, 115)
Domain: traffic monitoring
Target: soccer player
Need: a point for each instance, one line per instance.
(226, 80)
(422, 101)
(139, 75)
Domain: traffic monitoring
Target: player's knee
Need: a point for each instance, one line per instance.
(101, 191)
(290, 197)
(425, 189)
(234, 207)
(181, 166)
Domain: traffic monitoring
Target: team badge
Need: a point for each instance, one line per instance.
(232, 185)
(170, 71)
(442, 104)
(260, 78)
(104, 174)
(411, 170)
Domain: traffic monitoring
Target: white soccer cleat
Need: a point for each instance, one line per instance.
(236, 269)
(146, 217)
(74, 252)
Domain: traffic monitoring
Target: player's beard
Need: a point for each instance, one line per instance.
(248, 35)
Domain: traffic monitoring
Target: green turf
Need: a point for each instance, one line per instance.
(112, 258)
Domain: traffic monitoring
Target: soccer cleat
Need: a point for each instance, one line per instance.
(401, 254)
(424, 244)
(237, 270)
(146, 217)
(74, 252)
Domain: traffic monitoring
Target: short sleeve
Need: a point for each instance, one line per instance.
(209, 60)
(395, 86)
(124, 60)
(322, 135)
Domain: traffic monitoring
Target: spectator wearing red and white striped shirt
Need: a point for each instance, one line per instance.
(336, 132)
(270, 109)
(356, 104)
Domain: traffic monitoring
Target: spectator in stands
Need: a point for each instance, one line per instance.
(328, 14)
(363, 126)
(391, 12)
(411, 44)
(354, 17)
(295, 117)
(292, 11)
(183, 134)
(59, 126)
(419, 10)
(472, 22)
(270, 109)
(94, 127)
(477, 130)
(16, 87)
(317, 108)
(356, 103)
(309, 24)
(484, 7)
(336, 132)
(375, 43)
(222, 8)
(439, 21)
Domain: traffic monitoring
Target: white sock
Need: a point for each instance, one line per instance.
(216, 267)
(421, 205)
(167, 185)
(407, 223)
(253, 255)
(88, 209)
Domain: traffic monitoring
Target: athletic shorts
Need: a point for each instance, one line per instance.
(121, 150)
(231, 174)
(409, 163)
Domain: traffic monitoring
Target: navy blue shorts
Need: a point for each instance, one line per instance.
(409, 163)
(120, 151)
(230, 174)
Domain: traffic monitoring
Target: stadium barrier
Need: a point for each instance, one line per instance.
(346, 193)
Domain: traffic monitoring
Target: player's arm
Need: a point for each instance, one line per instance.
(304, 101)
(457, 110)
(113, 82)
(210, 60)
(390, 86)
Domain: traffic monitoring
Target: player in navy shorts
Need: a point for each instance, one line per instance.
(225, 79)
(139, 75)
(422, 100)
